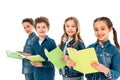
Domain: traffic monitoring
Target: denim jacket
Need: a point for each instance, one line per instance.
(70, 72)
(47, 71)
(26, 65)
(109, 56)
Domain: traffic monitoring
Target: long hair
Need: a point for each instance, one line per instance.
(77, 34)
(110, 25)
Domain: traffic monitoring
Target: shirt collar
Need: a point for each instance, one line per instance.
(32, 34)
(105, 44)
(46, 37)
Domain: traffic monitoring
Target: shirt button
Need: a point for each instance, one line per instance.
(100, 55)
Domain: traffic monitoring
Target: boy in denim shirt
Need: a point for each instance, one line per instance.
(43, 70)
(27, 68)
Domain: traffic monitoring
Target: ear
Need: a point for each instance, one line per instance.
(110, 29)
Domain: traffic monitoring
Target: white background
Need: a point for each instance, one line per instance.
(13, 36)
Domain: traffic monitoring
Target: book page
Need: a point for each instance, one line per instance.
(14, 54)
(55, 57)
(83, 59)
(35, 58)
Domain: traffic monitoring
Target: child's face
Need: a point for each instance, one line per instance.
(101, 31)
(70, 28)
(28, 27)
(41, 29)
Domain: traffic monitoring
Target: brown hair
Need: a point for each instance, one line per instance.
(110, 25)
(29, 20)
(42, 19)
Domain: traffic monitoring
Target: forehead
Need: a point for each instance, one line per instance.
(70, 22)
(41, 24)
(26, 23)
(100, 24)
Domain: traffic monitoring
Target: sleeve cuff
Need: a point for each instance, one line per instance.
(109, 75)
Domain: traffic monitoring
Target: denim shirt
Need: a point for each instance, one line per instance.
(47, 71)
(109, 56)
(26, 65)
(70, 72)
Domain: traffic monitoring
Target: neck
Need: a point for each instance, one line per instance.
(41, 38)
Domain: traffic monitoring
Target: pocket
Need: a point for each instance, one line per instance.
(108, 57)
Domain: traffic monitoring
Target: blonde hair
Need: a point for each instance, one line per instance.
(76, 37)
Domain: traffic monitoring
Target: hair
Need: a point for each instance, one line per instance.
(29, 20)
(76, 36)
(110, 25)
(42, 19)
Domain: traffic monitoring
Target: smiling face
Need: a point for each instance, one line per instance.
(41, 29)
(28, 27)
(101, 31)
(70, 28)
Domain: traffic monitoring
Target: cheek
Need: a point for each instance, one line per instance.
(95, 33)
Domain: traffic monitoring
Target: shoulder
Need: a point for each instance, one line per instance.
(50, 39)
(113, 48)
(91, 45)
(81, 43)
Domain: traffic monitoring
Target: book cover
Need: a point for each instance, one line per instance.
(20, 55)
(83, 59)
(55, 57)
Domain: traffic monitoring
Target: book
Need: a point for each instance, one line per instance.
(13, 54)
(20, 55)
(83, 59)
(55, 57)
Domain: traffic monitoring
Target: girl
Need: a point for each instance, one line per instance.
(27, 68)
(108, 54)
(71, 38)
(43, 70)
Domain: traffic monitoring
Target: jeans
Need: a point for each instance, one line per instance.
(74, 78)
(29, 76)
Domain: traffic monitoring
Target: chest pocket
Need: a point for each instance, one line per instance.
(105, 58)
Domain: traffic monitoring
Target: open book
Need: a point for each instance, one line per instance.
(55, 57)
(19, 55)
(83, 59)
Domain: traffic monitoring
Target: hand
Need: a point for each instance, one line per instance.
(37, 64)
(70, 63)
(26, 54)
(100, 67)
(19, 51)
(65, 58)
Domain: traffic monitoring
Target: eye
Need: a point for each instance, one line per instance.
(38, 27)
(27, 26)
(103, 29)
(43, 27)
(73, 26)
(67, 26)
(95, 29)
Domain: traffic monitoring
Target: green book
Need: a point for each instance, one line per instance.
(55, 57)
(14, 54)
(35, 58)
(19, 55)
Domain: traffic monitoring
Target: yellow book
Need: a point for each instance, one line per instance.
(83, 59)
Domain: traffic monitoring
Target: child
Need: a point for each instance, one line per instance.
(71, 38)
(27, 68)
(43, 70)
(108, 54)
